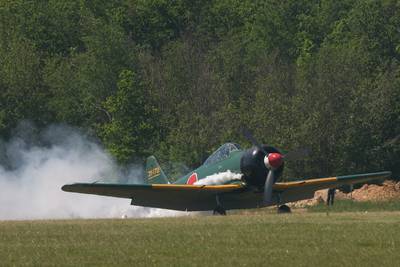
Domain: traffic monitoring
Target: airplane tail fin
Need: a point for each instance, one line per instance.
(155, 174)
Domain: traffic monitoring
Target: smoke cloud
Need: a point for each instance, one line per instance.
(219, 178)
(34, 165)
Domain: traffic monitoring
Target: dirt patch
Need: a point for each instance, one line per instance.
(389, 190)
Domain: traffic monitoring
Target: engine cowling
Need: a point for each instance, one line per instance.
(255, 166)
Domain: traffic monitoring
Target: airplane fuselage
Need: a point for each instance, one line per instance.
(232, 163)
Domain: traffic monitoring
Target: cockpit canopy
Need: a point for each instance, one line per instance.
(222, 153)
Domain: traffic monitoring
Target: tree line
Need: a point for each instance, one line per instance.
(179, 78)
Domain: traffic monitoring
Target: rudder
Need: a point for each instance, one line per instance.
(155, 174)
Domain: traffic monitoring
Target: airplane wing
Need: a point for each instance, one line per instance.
(305, 189)
(166, 196)
(203, 197)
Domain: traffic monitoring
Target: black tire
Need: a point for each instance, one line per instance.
(219, 211)
(284, 209)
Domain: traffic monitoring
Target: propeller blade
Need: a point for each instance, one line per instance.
(297, 154)
(268, 188)
(249, 136)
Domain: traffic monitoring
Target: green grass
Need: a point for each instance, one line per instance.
(350, 206)
(298, 239)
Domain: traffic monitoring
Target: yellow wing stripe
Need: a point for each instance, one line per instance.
(282, 186)
(338, 180)
(349, 179)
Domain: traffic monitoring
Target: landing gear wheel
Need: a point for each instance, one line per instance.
(284, 209)
(219, 211)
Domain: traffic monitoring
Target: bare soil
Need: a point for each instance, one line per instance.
(389, 190)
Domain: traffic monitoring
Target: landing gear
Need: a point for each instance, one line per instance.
(284, 209)
(219, 209)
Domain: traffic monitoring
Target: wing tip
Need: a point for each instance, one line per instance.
(67, 188)
(376, 175)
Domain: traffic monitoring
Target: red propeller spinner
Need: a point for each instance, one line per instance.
(273, 160)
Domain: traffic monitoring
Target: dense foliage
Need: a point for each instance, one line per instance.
(178, 78)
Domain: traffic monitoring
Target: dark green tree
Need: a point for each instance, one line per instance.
(131, 117)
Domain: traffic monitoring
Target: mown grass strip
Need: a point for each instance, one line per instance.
(356, 206)
(303, 239)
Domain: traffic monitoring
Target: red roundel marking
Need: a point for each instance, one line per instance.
(192, 179)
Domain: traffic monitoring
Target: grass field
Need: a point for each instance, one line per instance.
(357, 206)
(298, 239)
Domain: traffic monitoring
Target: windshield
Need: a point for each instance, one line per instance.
(222, 153)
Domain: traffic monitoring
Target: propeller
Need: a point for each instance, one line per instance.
(249, 136)
(297, 154)
(292, 155)
(272, 162)
(269, 182)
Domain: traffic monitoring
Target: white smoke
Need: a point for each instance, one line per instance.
(32, 171)
(219, 178)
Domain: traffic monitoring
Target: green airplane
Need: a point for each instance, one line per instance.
(231, 178)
